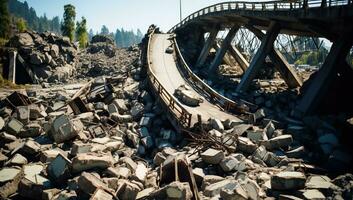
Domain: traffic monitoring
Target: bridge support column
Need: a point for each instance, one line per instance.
(12, 66)
(323, 78)
(260, 56)
(227, 58)
(244, 64)
(207, 46)
(224, 47)
(287, 72)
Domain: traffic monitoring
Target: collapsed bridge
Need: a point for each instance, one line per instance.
(328, 19)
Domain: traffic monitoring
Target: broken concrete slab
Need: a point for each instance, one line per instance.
(318, 182)
(23, 114)
(288, 181)
(86, 161)
(215, 188)
(14, 126)
(278, 142)
(257, 135)
(100, 194)
(228, 163)
(89, 183)
(18, 159)
(188, 97)
(237, 193)
(313, 195)
(63, 129)
(49, 155)
(246, 145)
(140, 173)
(8, 174)
(145, 194)
(212, 156)
(216, 124)
(58, 169)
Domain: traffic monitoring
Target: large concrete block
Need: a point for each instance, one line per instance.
(86, 161)
(212, 156)
(288, 181)
(63, 129)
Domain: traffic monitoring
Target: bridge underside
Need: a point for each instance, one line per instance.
(334, 24)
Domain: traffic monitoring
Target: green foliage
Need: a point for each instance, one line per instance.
(81, 33)
(4, 19)
(3, 41)
(40, 24)
(312, 57)
(21, 24)
(68, 25)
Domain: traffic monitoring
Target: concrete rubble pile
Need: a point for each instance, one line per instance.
(110, 139)
(51, 58)
(102, 57)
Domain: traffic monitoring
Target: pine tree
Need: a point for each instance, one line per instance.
(90, 34)
(118, 38)
(68, 25)
(104, 30)
(81, 33)
(4, 19)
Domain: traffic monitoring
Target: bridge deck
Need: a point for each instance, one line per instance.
(165, 68)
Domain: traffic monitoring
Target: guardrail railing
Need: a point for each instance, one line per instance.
(216, 98)
(262, 6)
(182, 116)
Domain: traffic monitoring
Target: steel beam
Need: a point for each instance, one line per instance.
(287, 72)
(224, 47)
(244, 64)
(257, 62)
(227, 57)
(317, 89)
(206, 47)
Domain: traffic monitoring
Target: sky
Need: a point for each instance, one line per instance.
(127, 14)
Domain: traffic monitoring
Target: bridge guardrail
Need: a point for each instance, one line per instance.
(262, 6)
(223, 102)
(174, 107)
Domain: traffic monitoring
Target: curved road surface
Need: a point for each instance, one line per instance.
(165, 68)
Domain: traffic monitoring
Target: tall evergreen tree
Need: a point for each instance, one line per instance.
(81, 32)
(68, 25)
(118, 38)
(104, 30)
(90, 34)
(4, 19)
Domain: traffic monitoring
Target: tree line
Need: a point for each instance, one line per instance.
(22, 10)
(122, 37)
(19, 15)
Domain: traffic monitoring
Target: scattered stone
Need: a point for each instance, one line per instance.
(89, 183)
(86, 161)
(288, 181)
(212, 156)
(100, 194)
(313, 195)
